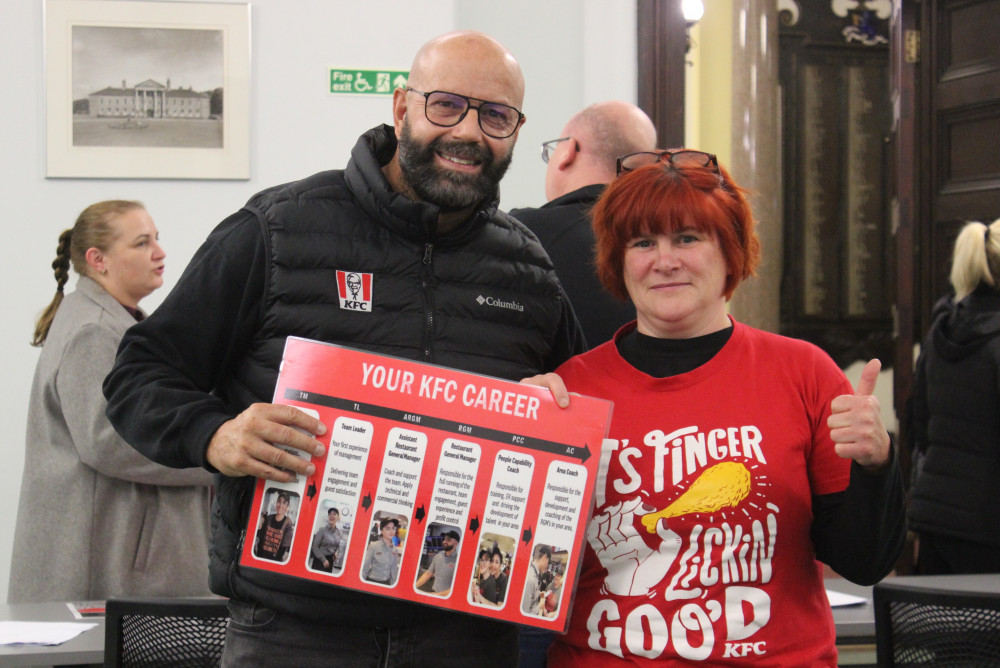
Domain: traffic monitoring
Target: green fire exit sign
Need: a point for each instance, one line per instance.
(366, 82)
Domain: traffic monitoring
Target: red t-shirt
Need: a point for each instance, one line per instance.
(699, 550)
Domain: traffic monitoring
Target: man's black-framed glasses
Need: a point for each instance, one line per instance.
(449, 109)
(677, 158)
(549, 147)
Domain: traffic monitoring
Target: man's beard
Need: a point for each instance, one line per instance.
(448, 189)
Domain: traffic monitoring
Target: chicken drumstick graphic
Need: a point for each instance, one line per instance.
(633, 567)
(722, 485)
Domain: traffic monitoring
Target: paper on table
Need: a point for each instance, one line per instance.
(40, 633)
(839, 599)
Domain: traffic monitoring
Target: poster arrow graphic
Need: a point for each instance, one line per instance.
(464, 429)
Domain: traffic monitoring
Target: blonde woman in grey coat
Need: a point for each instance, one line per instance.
(96, 518)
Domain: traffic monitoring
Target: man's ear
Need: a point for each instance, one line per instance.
(567, 158)
(398, 109)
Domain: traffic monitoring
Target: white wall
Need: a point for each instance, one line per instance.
(572, 52)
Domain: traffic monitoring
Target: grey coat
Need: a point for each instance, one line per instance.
(96, 518)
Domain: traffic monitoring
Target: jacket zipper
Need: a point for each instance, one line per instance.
(427, 286)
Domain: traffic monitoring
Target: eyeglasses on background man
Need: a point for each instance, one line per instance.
(549, 147)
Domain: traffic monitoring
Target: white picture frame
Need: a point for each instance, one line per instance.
(154, 134)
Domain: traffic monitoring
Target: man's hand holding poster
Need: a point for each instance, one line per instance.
(438, 486)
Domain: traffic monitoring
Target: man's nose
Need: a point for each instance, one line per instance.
(468, 129)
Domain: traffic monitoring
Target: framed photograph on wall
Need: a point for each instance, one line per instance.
(147, 89)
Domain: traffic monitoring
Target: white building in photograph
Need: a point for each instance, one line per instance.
(149, 99)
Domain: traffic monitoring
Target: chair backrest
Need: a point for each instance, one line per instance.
(933, 625)
(179, 632)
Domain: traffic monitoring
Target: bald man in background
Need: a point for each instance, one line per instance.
(580, 163)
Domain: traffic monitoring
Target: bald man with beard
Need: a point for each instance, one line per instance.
(413, 222)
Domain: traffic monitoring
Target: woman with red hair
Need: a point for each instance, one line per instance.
(736, 460)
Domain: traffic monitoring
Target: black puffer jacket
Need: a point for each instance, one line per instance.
(483, 298)
(956, 422)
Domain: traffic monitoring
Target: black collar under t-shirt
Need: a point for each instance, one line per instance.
(662, 358)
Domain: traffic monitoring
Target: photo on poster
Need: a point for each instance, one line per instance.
(544, 580)
(386, 542)
(493, 569)
(331, 532)
(438, 560)
(276, 525)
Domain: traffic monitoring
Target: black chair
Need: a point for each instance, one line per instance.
(153, 632)
(938, 621)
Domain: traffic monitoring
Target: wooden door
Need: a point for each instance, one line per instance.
(836, 117)
(946, 154)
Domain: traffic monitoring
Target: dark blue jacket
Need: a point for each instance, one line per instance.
(563, 228)
(955, 422)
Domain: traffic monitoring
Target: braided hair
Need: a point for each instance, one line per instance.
(94, 228)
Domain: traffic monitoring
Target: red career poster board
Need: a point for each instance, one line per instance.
(432, 453)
